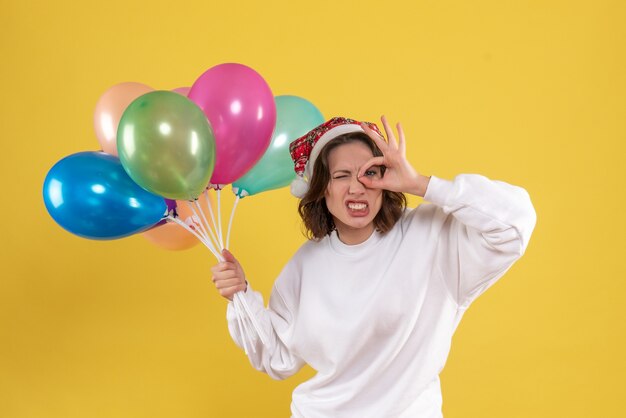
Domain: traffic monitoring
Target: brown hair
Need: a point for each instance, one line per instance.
(317, 220)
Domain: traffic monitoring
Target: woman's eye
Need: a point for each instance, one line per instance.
(343, 176)
(371, 173)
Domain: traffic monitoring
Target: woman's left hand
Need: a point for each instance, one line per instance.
(400, 176)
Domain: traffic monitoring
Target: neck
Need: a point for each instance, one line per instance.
(351, 236)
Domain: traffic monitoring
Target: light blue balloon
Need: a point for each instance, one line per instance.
(295, 117)
(90, 195)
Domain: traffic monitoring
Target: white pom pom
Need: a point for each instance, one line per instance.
(299, 187)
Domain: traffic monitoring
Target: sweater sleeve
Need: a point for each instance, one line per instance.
(276, 359)
(486, 227)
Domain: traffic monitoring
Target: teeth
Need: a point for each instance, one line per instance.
(357, 206)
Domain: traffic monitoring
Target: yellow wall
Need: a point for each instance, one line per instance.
(529, 92)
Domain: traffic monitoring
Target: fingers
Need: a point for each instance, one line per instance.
(228, 292)
(390, 142)
(226, 283)
(379, 140)
(391, 138)
(372, 183)
(401, 140)
(228, 276)
(372, 162)
(225, 275)
(225, 270)
(228, 256)
(223, 266)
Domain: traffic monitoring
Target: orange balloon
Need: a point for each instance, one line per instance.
(109, 110)
(183, 210)
(171, 236)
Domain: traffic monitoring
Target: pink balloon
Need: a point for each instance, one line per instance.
(183, 91)
(241, 109)
(109, 110)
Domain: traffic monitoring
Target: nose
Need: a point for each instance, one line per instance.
(356, 187)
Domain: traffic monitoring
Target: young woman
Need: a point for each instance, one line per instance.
(372, 300)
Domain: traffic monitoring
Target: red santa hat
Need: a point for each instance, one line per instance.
(304, 150)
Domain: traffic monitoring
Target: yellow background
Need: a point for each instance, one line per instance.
(529, 92)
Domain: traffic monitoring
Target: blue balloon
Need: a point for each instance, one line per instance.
(89, 194)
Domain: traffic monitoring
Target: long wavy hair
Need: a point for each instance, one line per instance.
(317, 220)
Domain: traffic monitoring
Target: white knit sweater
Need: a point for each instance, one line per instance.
(375, 320)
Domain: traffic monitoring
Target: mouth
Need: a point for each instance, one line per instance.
(357, 207)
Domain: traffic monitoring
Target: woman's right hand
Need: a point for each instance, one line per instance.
(400, 176)
(228, 276)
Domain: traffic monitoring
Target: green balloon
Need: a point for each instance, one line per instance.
(295, 117)
(166, 145)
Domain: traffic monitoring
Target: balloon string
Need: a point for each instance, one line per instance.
(238, 311)
(210, 210)
(239, 295)
(196, 220)
(240, 322)
(208, 227)
(246, 328)
(230, 222)
(197, 235)
(242, 303)
(219, 217)
(194, 231)
(252, 318)
(206, 193)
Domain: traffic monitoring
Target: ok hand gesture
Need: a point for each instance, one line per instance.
(399, 175)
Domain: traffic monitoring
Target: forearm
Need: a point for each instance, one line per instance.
(419, 186)
(494, 208)
(487, 227)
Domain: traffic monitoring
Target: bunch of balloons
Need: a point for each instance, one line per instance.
(163, 151)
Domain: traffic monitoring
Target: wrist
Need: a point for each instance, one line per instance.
(419, 186)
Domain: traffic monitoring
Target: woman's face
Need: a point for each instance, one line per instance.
(352, 205)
